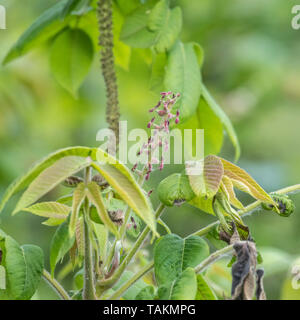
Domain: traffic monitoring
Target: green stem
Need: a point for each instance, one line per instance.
(115, 277)
(213, 258)
(140, 181)
(89, 283)
(248, 209)
(131, 281)
(54, 284)
(164, 225)
(220, 216)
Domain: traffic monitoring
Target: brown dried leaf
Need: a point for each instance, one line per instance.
(243, 271)
(260, 292)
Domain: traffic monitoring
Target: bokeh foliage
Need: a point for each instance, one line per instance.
(251, 64)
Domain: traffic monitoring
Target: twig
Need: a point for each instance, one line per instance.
(131, 281)
(54, 284)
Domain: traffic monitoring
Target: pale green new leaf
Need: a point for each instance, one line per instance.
(183, 76)
(61, 243)
(51, 209)
(53, 222)
(228, 186)
(22, 182)
(95, 196)
(121, 179)
(78, 197)
(173, 254)
(101, 233)
(204, 291)
(224, 118)
(71, 58)
(166, 23)
(44, 27)
(50, 178)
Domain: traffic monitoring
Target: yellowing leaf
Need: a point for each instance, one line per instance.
(245, 182)
(228, 186)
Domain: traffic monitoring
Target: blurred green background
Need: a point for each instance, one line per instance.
(251, 65)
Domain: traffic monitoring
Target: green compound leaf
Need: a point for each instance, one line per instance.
(135, 31)
(175, 189)
(183, 76)
(50, 178)
(183, 288)
(46, 26)
(166, 23)
(71, 58)
(22, 182)
(172, 255)
(205, 119)
(61, 243)
(204, 291)
(24, 266)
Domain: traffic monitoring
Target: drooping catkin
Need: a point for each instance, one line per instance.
(105, 17)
